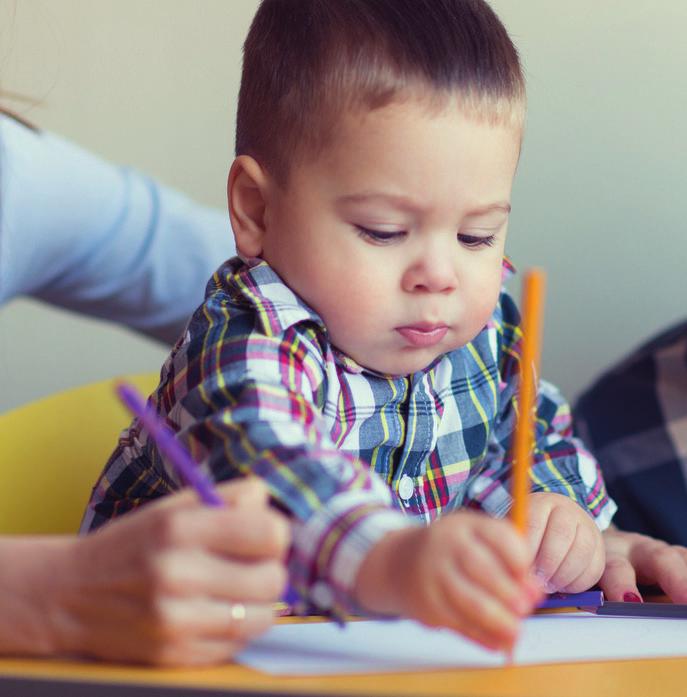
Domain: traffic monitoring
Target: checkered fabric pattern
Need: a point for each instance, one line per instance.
(635, 420)
(255, 387)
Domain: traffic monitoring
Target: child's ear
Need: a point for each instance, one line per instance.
(246, 194)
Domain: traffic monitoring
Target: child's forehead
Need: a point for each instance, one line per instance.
(411, 123)
(418, 104)
(427, 159)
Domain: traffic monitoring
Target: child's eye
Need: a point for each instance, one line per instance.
(378, 236)
(476, 241)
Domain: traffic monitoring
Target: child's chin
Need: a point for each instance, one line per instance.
(406, 364)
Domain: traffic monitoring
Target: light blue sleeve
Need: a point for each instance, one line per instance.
(89, 236)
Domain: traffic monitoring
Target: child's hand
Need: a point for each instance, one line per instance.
(466, 571)
(566, 544)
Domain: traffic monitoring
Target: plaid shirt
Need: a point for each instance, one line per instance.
(255, 387)
(635, 420)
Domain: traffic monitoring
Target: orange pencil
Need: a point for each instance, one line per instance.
(532, 312)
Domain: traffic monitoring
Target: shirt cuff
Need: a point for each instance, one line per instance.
(330, 546)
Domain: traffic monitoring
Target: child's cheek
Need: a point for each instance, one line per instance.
(486, 303)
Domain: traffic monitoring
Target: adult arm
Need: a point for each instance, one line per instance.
(107, 241)
(159, 586)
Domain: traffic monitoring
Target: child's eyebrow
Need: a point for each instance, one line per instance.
(502, 206)
(406, 203)
(396, 200)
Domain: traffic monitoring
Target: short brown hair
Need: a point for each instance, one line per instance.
(305, 61)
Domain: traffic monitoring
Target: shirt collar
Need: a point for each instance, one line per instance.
(255, 283)
(508, 269)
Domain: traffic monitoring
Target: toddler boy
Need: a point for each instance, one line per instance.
(360, 355)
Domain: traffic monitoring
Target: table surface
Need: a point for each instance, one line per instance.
(647, 678)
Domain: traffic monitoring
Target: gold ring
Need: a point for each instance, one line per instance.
(238, 612)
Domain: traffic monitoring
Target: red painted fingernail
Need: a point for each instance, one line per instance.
(632, 598)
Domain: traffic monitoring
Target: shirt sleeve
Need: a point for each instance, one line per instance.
(246, 403)
(561, 462)
(89, 236)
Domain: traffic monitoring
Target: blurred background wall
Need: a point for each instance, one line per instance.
(599, 199)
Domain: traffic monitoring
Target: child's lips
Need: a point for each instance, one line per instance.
(423, 335)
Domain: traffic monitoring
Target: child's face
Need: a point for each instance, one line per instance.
(395, 233)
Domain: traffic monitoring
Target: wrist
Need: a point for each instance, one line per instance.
(34, 574)
(383, 575)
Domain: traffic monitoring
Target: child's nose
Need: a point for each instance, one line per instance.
(431, 274)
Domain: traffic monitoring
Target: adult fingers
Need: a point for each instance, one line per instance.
(248, 492)
(244, 492)
(206, 618)
(633, 557)
(234, 532)
(666, 565)
(619, 580)
(173, 632)
(189, 573)
(192, 653)
(248, 533)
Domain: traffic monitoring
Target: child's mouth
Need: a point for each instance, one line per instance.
(423, 335)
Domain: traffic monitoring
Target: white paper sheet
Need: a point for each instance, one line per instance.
(395, 646)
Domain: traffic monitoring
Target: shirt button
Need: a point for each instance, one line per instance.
(322, 596)
(406, 487)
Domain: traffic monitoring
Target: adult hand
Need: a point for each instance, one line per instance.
(173, 583)
(632, 558)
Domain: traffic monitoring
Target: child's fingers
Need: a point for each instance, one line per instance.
(487, 570)
(468, 605)
(581, 563)
(536, 527)
(504, 542)
(485, 639)
(555, 546)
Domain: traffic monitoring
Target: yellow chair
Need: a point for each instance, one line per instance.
(52, 451)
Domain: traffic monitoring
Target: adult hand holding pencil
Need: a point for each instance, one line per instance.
(246, 563)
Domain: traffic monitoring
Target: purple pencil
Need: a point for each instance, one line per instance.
(169, 446)
(180, 459)
(591, 599)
